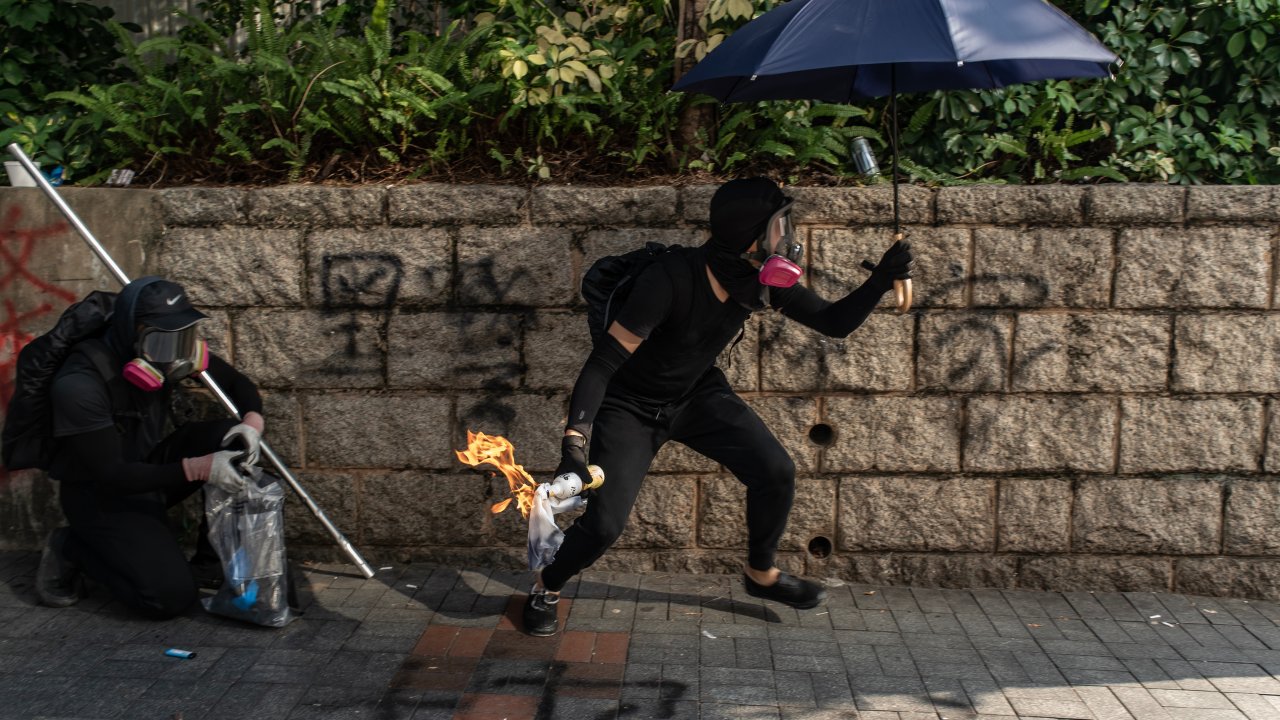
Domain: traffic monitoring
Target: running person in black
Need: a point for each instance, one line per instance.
(119, 464)
(653, 379)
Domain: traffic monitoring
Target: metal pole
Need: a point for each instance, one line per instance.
(208, 381)
(901, 288)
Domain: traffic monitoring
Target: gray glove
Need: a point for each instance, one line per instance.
(225, 473)
(250, 439)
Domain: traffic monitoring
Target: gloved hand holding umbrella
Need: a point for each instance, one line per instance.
(845, 51)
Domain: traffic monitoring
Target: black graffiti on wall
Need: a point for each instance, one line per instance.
(479, 283)
(370, 280)
(351, 285)
(995, 343)
(487, 348)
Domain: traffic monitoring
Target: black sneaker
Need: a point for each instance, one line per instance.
(540, 613)
(57, 579)
(789, 590)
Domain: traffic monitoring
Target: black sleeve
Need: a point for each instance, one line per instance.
(239, 388)
(588, 392)
(649, 303)
(833, 319)
(99, 460)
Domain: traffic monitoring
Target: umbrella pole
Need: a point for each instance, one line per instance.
(16, 151)
(893, 111)
(901, 288)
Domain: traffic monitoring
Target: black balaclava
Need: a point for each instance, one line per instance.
(740, 212)
(123, 335)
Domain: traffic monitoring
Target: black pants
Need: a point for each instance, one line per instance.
(127, 544)
(713, 421)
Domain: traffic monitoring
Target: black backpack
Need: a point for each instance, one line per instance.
(27, 439)
(608, 283)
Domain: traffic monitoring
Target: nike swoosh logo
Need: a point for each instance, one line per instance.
(173, 299)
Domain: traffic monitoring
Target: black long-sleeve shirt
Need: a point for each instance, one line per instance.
(685, 327)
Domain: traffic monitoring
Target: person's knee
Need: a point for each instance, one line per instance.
(779, 469)
(605, 530)
(168, 597)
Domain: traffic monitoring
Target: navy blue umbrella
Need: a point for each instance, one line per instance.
(852, 50)
(855, 50)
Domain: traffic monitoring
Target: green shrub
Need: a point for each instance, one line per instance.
(1196, 101)
(525, 88)
(47, 46)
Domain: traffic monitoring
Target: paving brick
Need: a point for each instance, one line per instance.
(610, 647)
(896, 662)
(586, 680)
(1185, 675)
(482, 706)
(1191, 699)
(1254, 707)
(1203, 714)
(514, 645)
(1103, 703)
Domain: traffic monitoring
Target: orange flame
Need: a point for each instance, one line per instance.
(497, 451)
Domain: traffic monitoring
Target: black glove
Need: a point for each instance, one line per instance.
(573, 457)
(896, 264)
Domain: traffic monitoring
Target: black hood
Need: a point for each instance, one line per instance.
(123, 335)
(740, 212)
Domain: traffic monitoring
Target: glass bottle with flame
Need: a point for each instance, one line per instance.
(569, 484)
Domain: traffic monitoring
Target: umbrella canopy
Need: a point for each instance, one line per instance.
(851, 50)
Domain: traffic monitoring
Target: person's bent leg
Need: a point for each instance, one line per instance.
(719, 424)
(622, 444)
(127, 546)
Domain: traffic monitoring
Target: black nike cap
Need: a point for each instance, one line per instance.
(164, 305)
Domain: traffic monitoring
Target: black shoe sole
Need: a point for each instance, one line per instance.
(799, 606)
(544, 630)
(541, 632)
(762, 591)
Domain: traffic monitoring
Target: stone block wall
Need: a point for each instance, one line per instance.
(1083, 397)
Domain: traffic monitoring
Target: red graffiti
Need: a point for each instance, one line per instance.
(26, 241)
(16, 247)
(12, 340)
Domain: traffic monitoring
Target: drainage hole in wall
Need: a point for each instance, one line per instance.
(822, 434)
(820, 547)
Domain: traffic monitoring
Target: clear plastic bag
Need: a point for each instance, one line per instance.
(247, 531)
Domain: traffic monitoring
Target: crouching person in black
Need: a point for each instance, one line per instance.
(120, 468)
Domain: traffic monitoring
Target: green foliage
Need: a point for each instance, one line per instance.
(783, 135)
(295, 95)
(1197, 100)
(261, 91)
(47, 46)
(589, 81)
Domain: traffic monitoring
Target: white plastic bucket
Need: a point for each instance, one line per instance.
(18, 175)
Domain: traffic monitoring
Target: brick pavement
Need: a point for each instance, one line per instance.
(430, 642)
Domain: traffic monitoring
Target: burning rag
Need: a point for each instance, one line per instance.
(544, 535)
